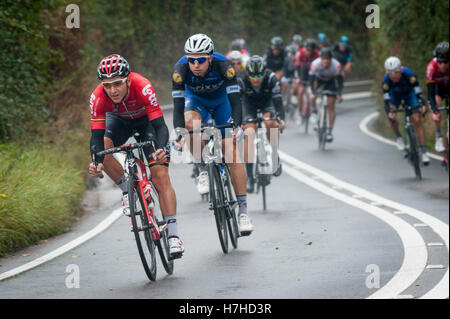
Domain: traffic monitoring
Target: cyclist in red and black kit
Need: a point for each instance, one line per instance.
(438, 83)
(303, 59)
(124, 103)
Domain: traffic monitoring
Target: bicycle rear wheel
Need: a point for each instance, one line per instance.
(232, 205)
(163, 242)
(141, 229)
(217, 200)
(414, 155)
(322, 127)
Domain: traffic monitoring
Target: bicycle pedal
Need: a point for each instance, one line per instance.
(175, 256)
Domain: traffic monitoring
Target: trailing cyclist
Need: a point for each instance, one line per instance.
(204, 82)
(236, 59)
(326, 73)
(399, 84)
(289, 74)
(437, 72)
(275, 56)
(260, 91)
(124, 103)
(343, 54)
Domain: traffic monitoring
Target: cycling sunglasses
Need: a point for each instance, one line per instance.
(116, 84)
(236, 63)
(256, 76)
(199, 60)
(441, 61)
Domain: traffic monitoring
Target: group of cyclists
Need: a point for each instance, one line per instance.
(208, 87)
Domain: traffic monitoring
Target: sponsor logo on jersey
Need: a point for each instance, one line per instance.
(177, 77)
(413, 80)
(385, 86)
(148, 90)
(230, 73)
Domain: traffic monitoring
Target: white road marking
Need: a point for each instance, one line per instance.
(404, 297)
(363, 126)
(420, 225)
(435, 267)
(63, 249)
(414, 256)
(358, 83)
(435, 244)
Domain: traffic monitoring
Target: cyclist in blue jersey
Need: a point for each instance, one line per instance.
(204, 82)
(400, 83)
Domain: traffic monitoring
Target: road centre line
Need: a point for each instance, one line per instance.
(439, 227)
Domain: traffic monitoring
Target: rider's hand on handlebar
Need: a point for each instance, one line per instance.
(282, 125)
(391, 115)
(178, 146)
(436, 116)
(96, 171)
(339, 98)
(237, 133)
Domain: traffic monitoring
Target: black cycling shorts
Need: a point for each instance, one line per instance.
(329, 85)
(250, 112)
(120, 130)
(304, 76)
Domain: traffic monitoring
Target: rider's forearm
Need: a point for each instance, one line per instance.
(432, 96)
(161, 131)
(236, 107)
(340, 84)
(178, 113)
(97, 141)
(278, 103)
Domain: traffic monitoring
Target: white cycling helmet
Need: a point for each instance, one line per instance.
(392, 64)
(199, 44)
(235, 55)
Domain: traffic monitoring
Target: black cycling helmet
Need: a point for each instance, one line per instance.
(276, 42)
(326, 53)
(310, 43)
(236, 45)
(441, 50)
(255, 65)
(111, 66)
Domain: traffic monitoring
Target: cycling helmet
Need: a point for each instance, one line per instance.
(111, 66)
(344, 39)
(297, 38)
(276, 42)
(326, 53)
(255, 65)
(392, 64)
(321, 37)
(235, 55)
(199, 44)
(291, 49)
(236, 45)
(310, 43)
(441, 50)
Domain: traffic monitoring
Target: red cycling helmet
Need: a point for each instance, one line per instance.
(111, 66)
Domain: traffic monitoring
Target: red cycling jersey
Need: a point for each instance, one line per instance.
(141, 101)
(435, 75)
(302, 60)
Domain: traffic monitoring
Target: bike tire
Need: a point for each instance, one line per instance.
(231, 212)
(414, 154)
(141, 230)
(263, 191)
(217, 200)
(322, 128)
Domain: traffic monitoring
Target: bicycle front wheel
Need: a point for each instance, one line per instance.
(232, 206)
(217, 200)
(141, 229)
(414, 155)
(322, 127)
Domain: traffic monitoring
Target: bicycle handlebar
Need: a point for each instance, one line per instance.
(125, 148)
(326, 92)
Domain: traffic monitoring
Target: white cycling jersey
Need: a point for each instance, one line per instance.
(320, 72)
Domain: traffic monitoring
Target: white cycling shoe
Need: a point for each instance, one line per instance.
(176, 248)
(439, 146)
(425, 159)
(203, 183)
(245, 225)
(126, 205)
(400, 143)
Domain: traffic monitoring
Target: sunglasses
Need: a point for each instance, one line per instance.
(115, 84)
(442, 61)
(199, 60)
(236, 63)
(256, 76)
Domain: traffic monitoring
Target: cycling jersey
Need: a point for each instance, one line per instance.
(263, 97)
(140, 103)
(407, 88)
(343, 56)
(302, 60)
(274, 62)
(437, 83)
(216, 93)
(288, 69)
(324, 75)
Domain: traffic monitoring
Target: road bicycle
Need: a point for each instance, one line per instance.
(263, 169)
(222, 198)
(289, 100)
(412, 149)
(322, 117)
(148, 225)
(306, 111)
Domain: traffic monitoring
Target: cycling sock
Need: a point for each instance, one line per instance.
(397, 134)
(172, 227)
(122, 183)
(202, 167)
(330, 130)
(438, 133)
(423, 149)
(242, 201)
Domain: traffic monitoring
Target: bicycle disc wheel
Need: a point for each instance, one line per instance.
(231, 200)
(217, 199)
(141, 230)
(414, 153)
(163, 242)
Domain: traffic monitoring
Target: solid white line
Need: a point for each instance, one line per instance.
(404, 297)
(420, 225)
(363, 126)
(435, 267)
(71, 245)
(435, 244)
(441, 289)
(357, 83)
(415, 252)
